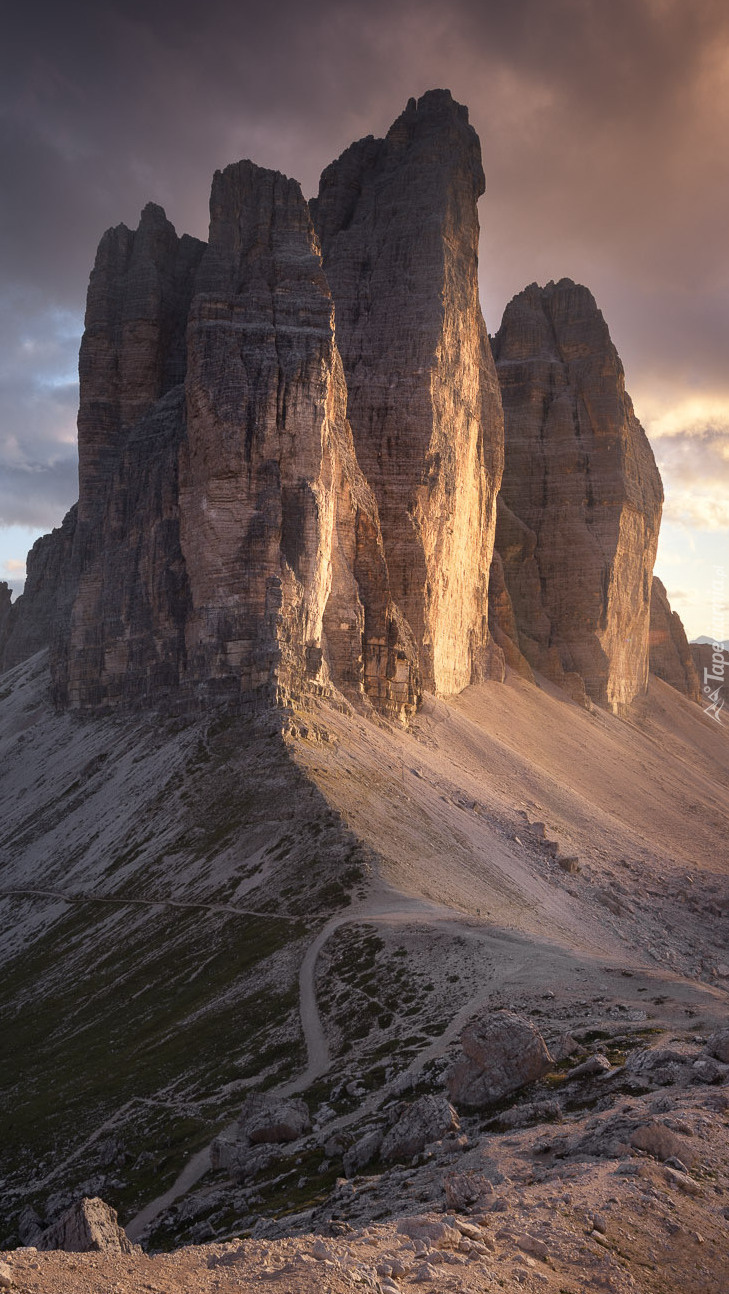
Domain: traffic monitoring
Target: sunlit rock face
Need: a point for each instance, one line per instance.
(670, 654)
(398, 227)
(581, 482)
(228, 547)
(279, 528)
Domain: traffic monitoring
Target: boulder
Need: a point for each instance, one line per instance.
(465, 1190)
(502, 1053)
(438, 1233)
(268, 1118)
(90, 1226)
(718, 1046)
(427, 1119)
(662, 1066)
(362, 1152)
(708, 1070)
(662, 1143)
(593, 1067)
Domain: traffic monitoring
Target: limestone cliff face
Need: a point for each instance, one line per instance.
(398, 227)
(125, 639)
(670, 654)
(5, 609)
(291, 444)
(125, 584)
(40, 615)
(279, 528)
(133, 348)
(581, 479)
(227, 544)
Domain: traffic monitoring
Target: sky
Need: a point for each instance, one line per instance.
(603, 128)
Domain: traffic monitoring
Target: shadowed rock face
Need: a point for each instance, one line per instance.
(120, 630)
(5, 608)
(670, 654)
(398, 227)
(133, 347)
(279, 531)
(227, 545)
(580, 477)
(40, 615)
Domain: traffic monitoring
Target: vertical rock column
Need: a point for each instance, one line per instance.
(279, 528)
(398, 227)
(670, 653)
(122, 600)
(581, 482)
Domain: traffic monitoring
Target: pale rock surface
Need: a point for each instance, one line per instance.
(428, 1119)
(226, 544)
(398, 227)
(580, 476)
(670, 654)
(279, 529)
(437, 1232)
(662, 1143)
(593, 1067)
(88, 1226)
(502, 1052)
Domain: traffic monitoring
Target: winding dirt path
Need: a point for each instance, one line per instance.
(147, 903)
(383, 906)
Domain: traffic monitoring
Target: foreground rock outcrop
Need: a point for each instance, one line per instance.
(581, 481)
(670, 654)
(501, 1053)
(398, 227)
(90, 1226)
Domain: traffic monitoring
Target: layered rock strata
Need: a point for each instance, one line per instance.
(40, 615)
(583, 495)
(125, 597)
(279, 528)
(398, 226)
(670, 654)
(133, 349)
(227, 546)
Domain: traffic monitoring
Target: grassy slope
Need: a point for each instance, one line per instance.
(132, 1030)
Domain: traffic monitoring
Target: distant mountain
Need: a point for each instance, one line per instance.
(705, 638)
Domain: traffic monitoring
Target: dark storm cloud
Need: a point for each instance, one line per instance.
(603, 128)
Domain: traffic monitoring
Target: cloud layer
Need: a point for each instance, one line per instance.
(603, 130)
